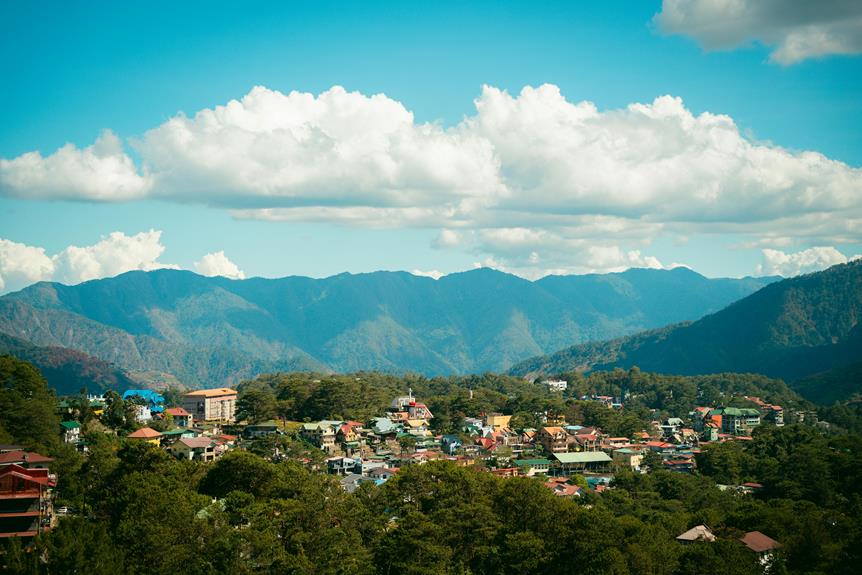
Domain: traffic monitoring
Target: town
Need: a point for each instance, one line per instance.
(570, 460)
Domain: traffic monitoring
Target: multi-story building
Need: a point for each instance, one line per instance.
(554, 439)
(217, 404)
(738, 420)
(497, 420)
(321, 434)
(26, 491)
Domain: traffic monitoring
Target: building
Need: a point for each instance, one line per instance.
(153, 400)
(738, 420)
(697, 533)
(762, 546)
(531, 467)
(147, 435)
(217, 404)
(556, 385)
(25, 500)
(71, 431)
(627, 457)
(194, 448)
(182, 418)
(553, 439)
(319, 434)
(593, 461)
(497, 420)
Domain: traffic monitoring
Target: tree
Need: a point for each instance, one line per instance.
(27, 406)
(256, 402)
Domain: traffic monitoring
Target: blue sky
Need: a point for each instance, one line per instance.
(72, 70)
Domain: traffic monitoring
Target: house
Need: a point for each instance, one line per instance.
(531, 467)
(194, 448)
(594, 461)
(143, 413)
(681, 465)
(71, 431)
(710, 432)
(450, 444)
(562, 488)
(383, 426)
(696, 533)
(382, 473)
(553, 439)
(497, 421)
(25, 501)
(260, 430)
(556, 385)
(217, 404)
(147, 435)
(25, 459)
(181, 417)
(418, 411)
(761, 545)
(342, 465)
(320, 434)
(628, 457)
(352, 481)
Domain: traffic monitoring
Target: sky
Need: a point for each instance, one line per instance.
(313, 138)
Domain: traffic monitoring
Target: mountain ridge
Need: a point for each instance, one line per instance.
(200, 329)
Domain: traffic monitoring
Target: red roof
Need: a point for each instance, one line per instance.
(177, 412)
(758, 542)
(23, 456)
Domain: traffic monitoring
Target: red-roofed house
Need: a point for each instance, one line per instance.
(182, 418)
(761, 545)
(25, 501)
(25, 459)
(147, 435)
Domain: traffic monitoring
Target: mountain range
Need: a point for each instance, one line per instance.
(169, 326)
(804, 330)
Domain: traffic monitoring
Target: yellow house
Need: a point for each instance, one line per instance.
(497, 420)
(147, 435)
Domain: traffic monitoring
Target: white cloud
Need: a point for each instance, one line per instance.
(797, 29)
(218, 264)
(530, 180)
(22, 265)
(101, 171)
(433, 274)
(776, 262)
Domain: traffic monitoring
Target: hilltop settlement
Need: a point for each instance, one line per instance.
(567, 437)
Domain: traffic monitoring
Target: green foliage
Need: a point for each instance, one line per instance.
(27, 406)
(790, 329)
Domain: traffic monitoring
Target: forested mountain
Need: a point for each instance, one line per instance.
(209, 331)
(67, 370)
(790, 329)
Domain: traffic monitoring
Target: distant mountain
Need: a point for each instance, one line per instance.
(208, 331)
(67, 370)
(790, 329)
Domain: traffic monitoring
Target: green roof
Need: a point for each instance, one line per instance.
(739, 411)
(583, 457)
(70, 424)
(531, 462)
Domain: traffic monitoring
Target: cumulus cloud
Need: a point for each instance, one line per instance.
(797, 29)
(529, 179)
(776, 262)
(101, 171)
(22, 265)
(218, 264)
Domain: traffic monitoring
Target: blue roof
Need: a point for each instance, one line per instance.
(149, 395)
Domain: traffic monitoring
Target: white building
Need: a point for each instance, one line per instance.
(556, 384)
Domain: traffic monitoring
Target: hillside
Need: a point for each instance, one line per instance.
(67, 370)
(790, 329)
(206, 331)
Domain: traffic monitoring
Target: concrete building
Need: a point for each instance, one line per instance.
(217, 404)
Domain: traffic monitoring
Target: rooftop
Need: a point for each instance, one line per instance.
(216, 392)
(144, 433)
(583, 457)
(758, 542)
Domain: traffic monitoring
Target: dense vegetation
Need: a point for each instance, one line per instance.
(141, 511)
(67, 370)
(360, 396)
(179, 326)
(790, 329)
